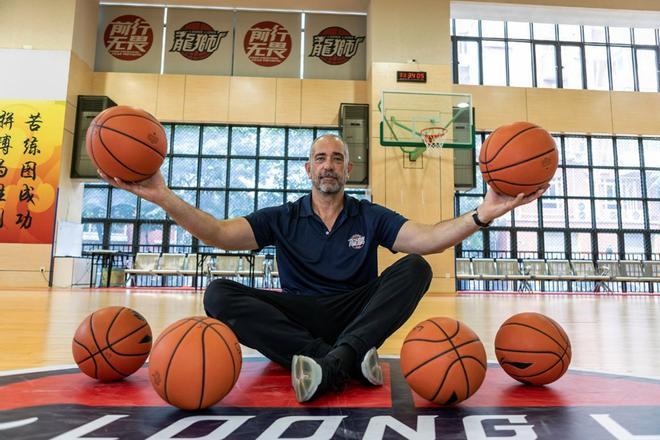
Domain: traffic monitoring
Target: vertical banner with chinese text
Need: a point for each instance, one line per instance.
(267, 44)
(129, 39)
(335, 46)
(199, 41)
(30, 148)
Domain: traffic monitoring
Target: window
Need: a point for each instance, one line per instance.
(570, 56)
(225, 170)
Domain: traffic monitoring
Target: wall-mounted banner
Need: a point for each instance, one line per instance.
(129, 39)
(30, 149)
(267, 44)
(199, 41)
(335, 46)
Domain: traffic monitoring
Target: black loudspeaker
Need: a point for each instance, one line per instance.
(82, 166)
(354, 125)
(465, 166)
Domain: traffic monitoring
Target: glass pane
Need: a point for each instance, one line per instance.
(608, 245)
(474, 242)
(560, 149)
(630, 184)
(622, 68)
(493, 56)
(654, 215)
(647, 70)
(244, 141)
(121, 233)
(527, 215)
(168, 136)
(632, 214)
(627, 152)
(554, 242)
(151, 211)
(576, 150)
(213, 202)
(569, 32)
(527, 242)
(266, 199)
(546, 66)
(214, 173)
(604, 182)
(655, 243)
(553, 213)
(296, 175)
(95, 202)
(594, 34)
(602, 151)
(557, 184)
(544, 31)
(607, 214)
(123, 204)
(467, 28)
(179, 236)
(577, 180)
(186, 139)
(581, 245)
(653, 184)
(597, 75)
(241, 173)
(240, 203)
(184, 172)
(293, 196)
(644, 36)
(92, 233)
(215, 141)
(619, 35)
(187, 195)
(468, 62)
(479, 187)
(571, 67)
(151, 234)
(634, 246)
(271, 141)
(651, 153)
(517, 29)
(322, 131)
(503, 221)
(271, 174)
(467, 204)
(300, 141)
(579, 213)
(165, 169)
(492, 29)
(520, 64)
(500, 241)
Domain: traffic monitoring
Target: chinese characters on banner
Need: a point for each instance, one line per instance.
(30, 147)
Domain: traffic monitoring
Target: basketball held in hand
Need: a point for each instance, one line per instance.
(126, 142)
(518, 158)
(111, 343)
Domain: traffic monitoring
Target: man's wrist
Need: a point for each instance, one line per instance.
(480, 221)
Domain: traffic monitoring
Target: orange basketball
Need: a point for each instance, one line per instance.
(111, 343)
(518, 158)
(533, 348)
(195, 362)
(126, 142)
(443, 360)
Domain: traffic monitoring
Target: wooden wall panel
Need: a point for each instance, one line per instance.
(170, 98)
(636, 113)
(572, 111)
(252, 100)
(136, 89)
(321, 99)
(288, 101)
(206, 98)
(496, 106)
(80, 79)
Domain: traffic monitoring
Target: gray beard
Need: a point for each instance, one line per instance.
(328, 188)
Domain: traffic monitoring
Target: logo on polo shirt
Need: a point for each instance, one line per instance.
(356, 241)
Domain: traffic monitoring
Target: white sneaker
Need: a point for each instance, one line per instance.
(370, 368)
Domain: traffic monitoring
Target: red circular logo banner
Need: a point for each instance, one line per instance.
(128, 37)
(267, 43)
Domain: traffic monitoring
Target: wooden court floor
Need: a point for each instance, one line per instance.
(615, 334)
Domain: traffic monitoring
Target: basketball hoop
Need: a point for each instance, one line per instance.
(433, 137)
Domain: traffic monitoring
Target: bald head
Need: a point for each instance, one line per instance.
(330, 138)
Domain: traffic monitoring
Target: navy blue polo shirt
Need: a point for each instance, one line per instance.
(313, 260)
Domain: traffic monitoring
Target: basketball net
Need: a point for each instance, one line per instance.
(433, 137)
